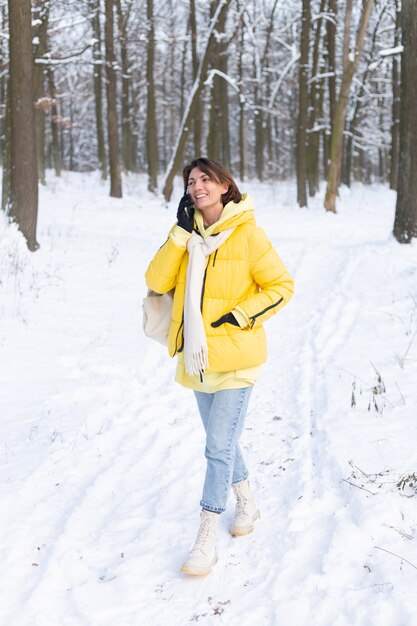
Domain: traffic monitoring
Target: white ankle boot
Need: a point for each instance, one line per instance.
(203, 555)
(246, 510)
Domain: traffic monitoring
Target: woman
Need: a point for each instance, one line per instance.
(228, 280)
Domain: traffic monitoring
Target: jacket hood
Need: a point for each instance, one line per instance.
(233, 214)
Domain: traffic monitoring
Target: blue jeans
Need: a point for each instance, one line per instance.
(223, 414)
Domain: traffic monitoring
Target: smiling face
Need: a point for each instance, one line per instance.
(206, 194)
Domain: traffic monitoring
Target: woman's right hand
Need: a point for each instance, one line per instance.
(229, 318)
(185, 213)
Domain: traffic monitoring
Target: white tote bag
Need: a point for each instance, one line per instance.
(157, 310)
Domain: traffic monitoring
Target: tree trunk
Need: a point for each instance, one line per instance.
(172, 62)
(315, 97)
(302, 106)
(347, 157)
(259, 139)
(405, 225)
(355, 121)
(3, 90)
(346, 33)
(242, 116)
(98, 85)
(165, 122)
(122, 19)
(24, 177)
(54, 126)
(113, 134)
(151, 134)
(218, 141)
(71, 136)
(193, 101)
(331, 47)
(261, 126)
(340, 114)
(5, 190)
(197, 121)
(41, 13)
(396, 97)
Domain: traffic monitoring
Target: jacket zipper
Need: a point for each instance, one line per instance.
(271, 306)
(204, 285)
(180, 349)
(215, 256)
(202, 296)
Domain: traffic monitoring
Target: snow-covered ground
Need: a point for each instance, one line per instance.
(102, 453)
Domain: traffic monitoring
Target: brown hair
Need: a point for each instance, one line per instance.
(217, 172)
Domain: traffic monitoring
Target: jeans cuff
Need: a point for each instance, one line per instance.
(239, 480)
(214, 509)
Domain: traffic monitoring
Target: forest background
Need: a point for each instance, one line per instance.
(310, 104)
(313, 91)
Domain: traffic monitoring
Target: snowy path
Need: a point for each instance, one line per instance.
(101, 458)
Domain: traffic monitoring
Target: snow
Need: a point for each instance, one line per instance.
(102, 454)
(391, 51)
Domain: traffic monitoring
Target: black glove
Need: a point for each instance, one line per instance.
(229, 318)
(185, 213)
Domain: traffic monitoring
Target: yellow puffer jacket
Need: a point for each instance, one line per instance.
(245, 273)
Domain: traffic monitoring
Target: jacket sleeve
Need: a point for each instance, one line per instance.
(161, 275)
(269, 272)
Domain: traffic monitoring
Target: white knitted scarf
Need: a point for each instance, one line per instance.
(195, 341)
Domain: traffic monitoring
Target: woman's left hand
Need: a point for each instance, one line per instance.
(229, 318)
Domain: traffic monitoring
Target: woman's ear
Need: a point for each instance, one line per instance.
(224, 192)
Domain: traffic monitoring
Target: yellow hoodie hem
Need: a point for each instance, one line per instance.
(217, 381)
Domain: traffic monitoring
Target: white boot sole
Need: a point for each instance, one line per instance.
(198, 570)
(241, 531)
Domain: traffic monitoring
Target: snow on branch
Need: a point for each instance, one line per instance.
(319, 77)
(48, 60)
(212, 73)
(391, 51)
(324, 16)
(291, 62)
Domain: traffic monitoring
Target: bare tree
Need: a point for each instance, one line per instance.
(331, 45)
(94, 6)
(197, 122)
(243, 143)
(3, 84)
(173, 166)
(250, 59)
(353, 125)
(315, 108)
(303, 105)
(151, 133)
(405, 224)
(261, 53)
(24, 176)
(6, 152)
(218, 138)
(54, 124)
(128, 153)
(113, 134)
(336, 150)
(41, 18)
(396, 97)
